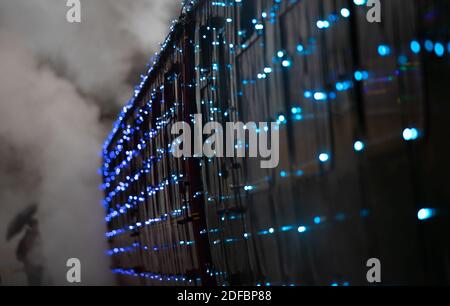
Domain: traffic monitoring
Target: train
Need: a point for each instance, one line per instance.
(362, 110)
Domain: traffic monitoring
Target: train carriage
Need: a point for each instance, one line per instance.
(361, 109)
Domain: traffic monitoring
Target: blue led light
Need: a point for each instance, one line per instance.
(384, 50)
(320, 96)
(361, 75)
(249, 188)
(345, 12)
(323, 24)
(286, 63)
(287, 228)
(259, 26)
(301, 229)
(426, 213)
(342, 86)
(402, 60)
(300, 48)
(298, 117)
(415, 46)
(439, 49)
(358, 146)
(296, 110)
(359, 2)
(364, 213)
(324, 157)
(317, 220)
(429, 46)
(410, 134)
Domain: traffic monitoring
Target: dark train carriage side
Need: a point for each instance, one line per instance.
(362, 114)
(154, 219)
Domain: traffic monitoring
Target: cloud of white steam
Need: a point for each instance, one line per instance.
(114, 38)
(50, 139)
(57, 83)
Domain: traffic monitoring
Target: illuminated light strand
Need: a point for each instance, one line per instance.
(302, 228)
(155, 276)
(126, 137)
(151, 191)
(138, 247)
(123, 186)
(161, 123)
(152, 221)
